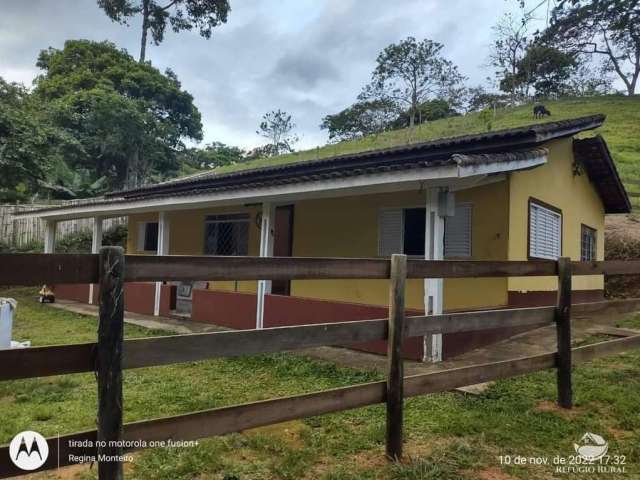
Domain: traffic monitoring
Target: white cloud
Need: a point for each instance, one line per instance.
(307, 57)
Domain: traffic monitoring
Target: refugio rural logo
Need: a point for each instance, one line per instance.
(28, 450)
(592, 447)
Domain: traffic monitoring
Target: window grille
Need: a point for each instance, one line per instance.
(227, 234)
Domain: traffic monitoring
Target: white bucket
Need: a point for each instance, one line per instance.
(6, 323)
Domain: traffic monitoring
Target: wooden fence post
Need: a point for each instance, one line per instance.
(109, 362)
(395, 378)
(563, 329)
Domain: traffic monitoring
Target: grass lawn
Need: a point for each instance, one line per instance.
(449, 436)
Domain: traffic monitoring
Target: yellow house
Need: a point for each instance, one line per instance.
(534, 192)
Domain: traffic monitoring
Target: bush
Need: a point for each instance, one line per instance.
(116, 236)
(33, 247)
(80, 242)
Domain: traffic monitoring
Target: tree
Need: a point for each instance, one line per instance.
(30, 145)
(428, 111)
(204, 15)
(479, 98)
(609, 28)
(508, 49)
(590, 79)
(360, 119)
(546, 69)
(410, 73)
(277, 126)
(129, 118)
(213, 155)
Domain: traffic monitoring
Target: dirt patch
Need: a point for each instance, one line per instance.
(552, 407)
(490, 473)
(289, 432)
(619, 434)
(370, 459)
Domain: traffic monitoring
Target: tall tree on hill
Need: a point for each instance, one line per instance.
(204, 15)
(278, 127)
(130, 118)
(508, 48)
(545, 69)
(410, 73)
(609, 28)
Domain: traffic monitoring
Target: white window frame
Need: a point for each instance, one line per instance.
(550, 210)
(142, 235)
(586, 228)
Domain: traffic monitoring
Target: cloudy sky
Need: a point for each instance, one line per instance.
(308, 57)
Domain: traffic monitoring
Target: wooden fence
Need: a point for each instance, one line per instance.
(111, 353)
(23, 232)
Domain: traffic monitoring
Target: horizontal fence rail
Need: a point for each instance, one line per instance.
(36, 269)
(110, 354)
(219, 421)
(147, 352)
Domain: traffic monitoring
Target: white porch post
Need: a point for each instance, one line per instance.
(96, 243)
(266, 250)
(433, 287)
(50, 236)
(162, 249)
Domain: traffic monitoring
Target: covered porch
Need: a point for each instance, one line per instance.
(459, 213)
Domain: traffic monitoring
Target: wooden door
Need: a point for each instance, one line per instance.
(283, 244)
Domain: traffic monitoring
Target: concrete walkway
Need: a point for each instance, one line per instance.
(172, 325)
(534, 342)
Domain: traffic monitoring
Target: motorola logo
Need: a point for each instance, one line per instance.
(28, 450)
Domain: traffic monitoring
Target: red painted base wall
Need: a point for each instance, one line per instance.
(78, 292)
(238, 311)
(139, 297)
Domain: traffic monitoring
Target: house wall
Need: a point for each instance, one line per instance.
(186, 237)
(556, 185)
(348, 227)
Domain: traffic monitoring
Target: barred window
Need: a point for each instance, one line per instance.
(588, 244)
(226, 234)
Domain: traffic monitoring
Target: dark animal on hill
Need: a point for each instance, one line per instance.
(540, 111)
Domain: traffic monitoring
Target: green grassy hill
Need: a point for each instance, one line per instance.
(621, 130)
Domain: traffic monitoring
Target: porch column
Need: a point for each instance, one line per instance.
(266, 250)
(96, 243)
(162, 249)
(433, 287)
(50, 236)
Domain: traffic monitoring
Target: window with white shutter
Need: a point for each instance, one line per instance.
(457, 233)
(390, 231)
(545, 232)
(402, 230)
